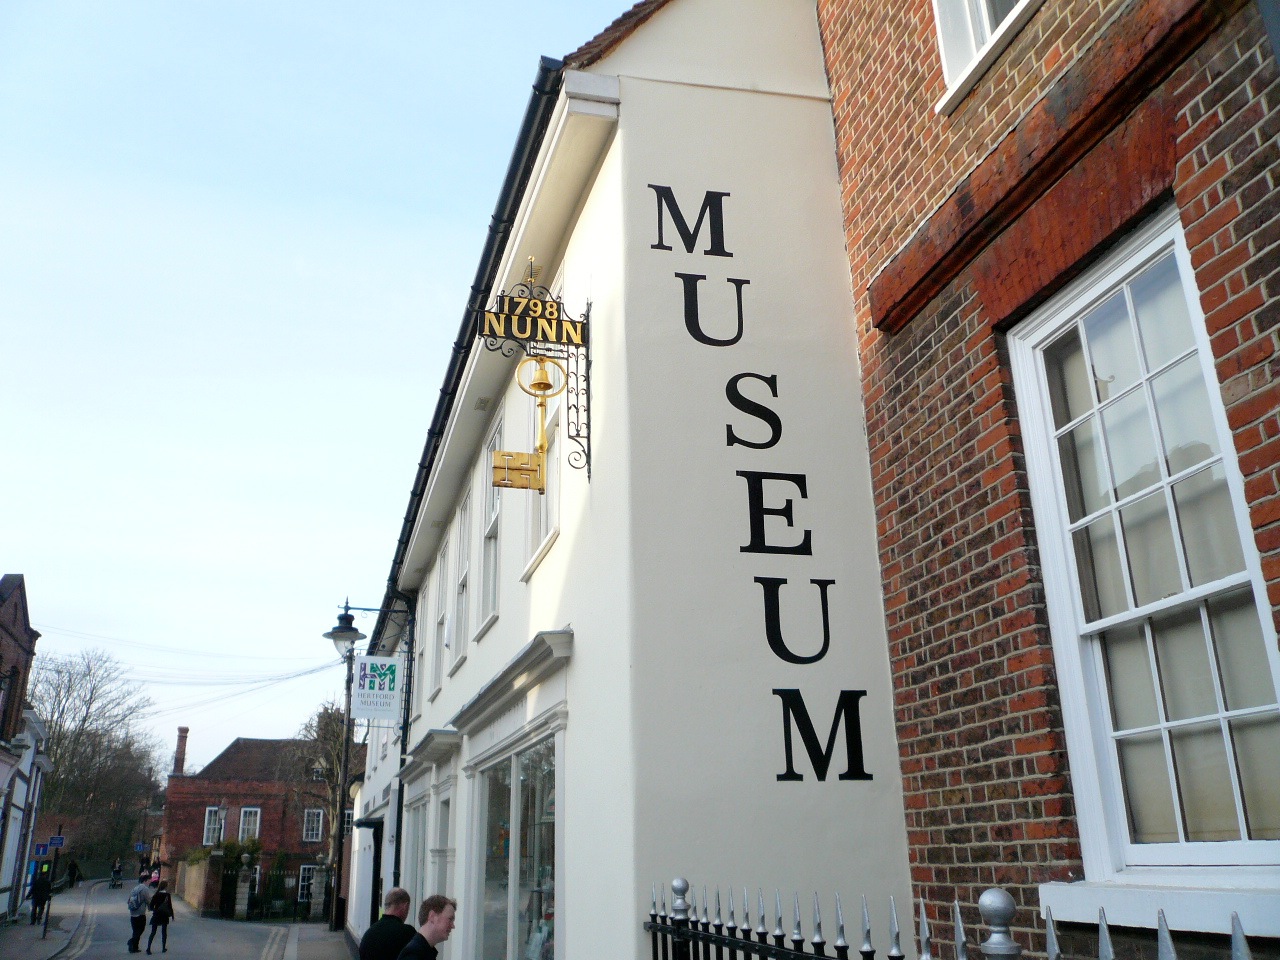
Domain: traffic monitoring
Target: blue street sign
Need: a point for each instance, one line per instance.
(42, 849)
(57, 841)
(138, 848)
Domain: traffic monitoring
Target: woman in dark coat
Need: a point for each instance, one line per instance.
(161, 914)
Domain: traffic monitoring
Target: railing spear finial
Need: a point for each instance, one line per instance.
(1164, 942)
(1239, 945)
(962, 946)
(817, 940)
(895, 936)
(1105, 950)
(926, 939)
(867, 949)
(797, 935)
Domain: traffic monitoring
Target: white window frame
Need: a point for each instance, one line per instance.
(966, 58)
(544, 509)
(348, 821)
(441, 640)
(313, 827)
(215, 828)
(306, 880)
(420, 687)
(257, 823)
(462, 579)
(1196, 892)
(490, 553)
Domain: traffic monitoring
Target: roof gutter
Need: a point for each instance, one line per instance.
(542, 101)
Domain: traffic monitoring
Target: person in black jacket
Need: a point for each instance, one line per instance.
(41, 891)
(161, 913)
(435, 923)
(386, 938)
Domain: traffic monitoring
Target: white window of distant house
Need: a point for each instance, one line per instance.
(212, 826)
(971, 34)
(348, 818)
(317, 773)
(489, 532)
(306, 877)
(544, 509)
(462, 596)
(518, 806)
(312, 825)
(250, 821)
(1165, 649)
(441, 644)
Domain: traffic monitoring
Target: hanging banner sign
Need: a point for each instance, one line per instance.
(375, 688)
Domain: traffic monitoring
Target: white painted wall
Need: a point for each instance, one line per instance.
(673, 742)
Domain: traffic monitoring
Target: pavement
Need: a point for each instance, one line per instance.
(24, 941)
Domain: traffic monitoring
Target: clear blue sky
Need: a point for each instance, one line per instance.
(235, 245)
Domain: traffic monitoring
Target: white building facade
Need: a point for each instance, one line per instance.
(674, 661)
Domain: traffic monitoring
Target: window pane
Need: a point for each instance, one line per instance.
(1242, 653)
(497, 839)
(1148, 540)
(1161, 308)
(1110, 337)
(998, 10)
(1185, 677)
(1084, 475)
(537, 852)
(1204, 783)
(1146, 788)
(1257, 743)
(1130, 684)
(1209, 534)
(1130, 443)
(1068, 379)
(1101, 576)
(1182, 406)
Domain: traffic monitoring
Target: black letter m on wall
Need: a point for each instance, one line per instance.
(712, 211)
(846, 709)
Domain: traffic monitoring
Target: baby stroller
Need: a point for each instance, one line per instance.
(117, 880)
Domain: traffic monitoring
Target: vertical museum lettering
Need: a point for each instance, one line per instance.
(771, 497)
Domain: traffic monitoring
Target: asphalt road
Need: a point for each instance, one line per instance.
(105, 931)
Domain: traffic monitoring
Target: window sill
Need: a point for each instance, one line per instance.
(457, 665)
(543, 549)
(485, 627)
(968, 78)
(1204, 908)
(431, 697)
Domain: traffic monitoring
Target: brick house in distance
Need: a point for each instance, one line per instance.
(1062, 224)
(272, 791)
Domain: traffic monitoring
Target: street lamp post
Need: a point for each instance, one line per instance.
(344, 637)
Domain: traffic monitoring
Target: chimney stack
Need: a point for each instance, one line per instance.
(180, 755)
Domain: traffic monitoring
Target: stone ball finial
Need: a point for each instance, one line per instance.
(997, 907)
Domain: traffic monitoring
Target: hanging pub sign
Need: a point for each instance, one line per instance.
(556, 346)
(375, 688)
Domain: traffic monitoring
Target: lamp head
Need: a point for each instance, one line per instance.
(344, 635)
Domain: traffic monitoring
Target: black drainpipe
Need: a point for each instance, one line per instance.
(542, 101)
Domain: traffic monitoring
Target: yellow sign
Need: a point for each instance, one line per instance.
(532, 320)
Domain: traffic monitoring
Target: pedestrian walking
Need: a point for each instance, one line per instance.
(435, 923)
(161, 914)
(139, 897)
(41, 891)
(73, 873)
(385, 939)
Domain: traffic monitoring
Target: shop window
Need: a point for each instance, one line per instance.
(519, 804)
(1167, 656)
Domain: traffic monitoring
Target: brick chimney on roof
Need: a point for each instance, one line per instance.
(180, 755)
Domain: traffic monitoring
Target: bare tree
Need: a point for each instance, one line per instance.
(105, 767)
(320, 748)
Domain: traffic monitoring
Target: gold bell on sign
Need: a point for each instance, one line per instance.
(540, 383)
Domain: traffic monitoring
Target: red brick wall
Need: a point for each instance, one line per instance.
(1193, 112)
(282, 806)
